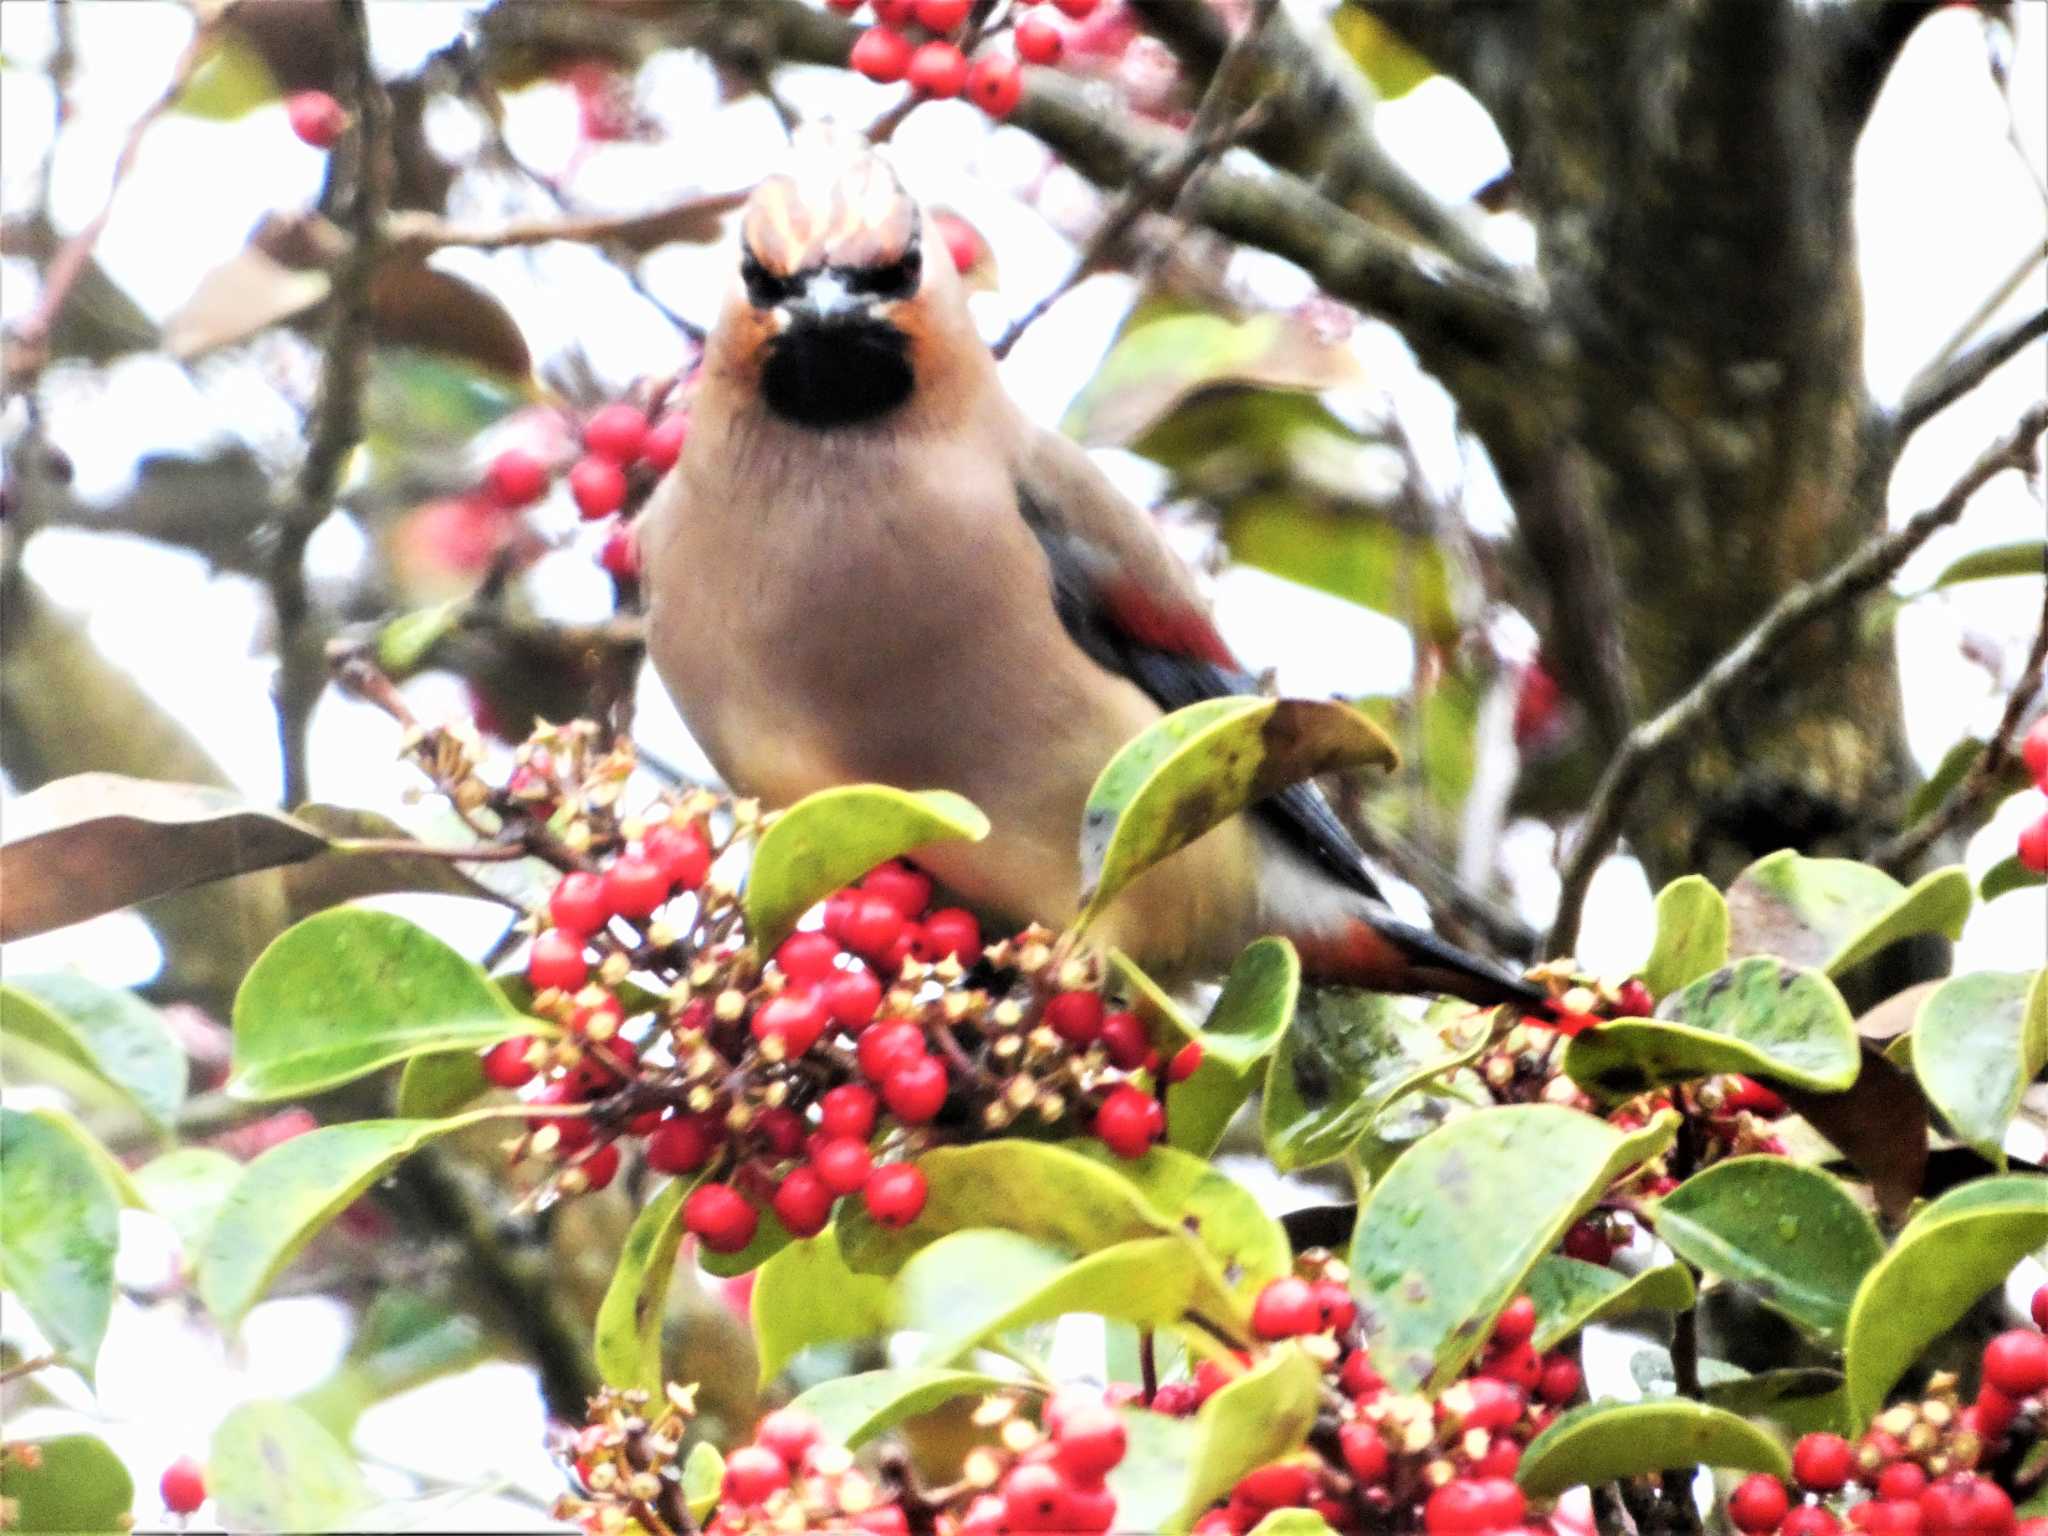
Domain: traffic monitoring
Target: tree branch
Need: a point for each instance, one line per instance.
(1744, 664)
(337, 419)
(1980, 783)
(1939, 386)
(694, 219)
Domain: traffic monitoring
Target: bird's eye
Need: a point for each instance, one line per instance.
(763, 287)
(897, 280)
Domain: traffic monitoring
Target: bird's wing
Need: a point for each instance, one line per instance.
(1131, 604)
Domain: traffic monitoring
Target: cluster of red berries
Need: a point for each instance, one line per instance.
(1922, 1469)
(1055, 1481)
(926, 43)
(316, 117)
(2033, 848)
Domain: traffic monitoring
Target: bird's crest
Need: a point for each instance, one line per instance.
(838, 205)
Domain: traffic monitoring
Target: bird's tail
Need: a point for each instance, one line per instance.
(1369, 947)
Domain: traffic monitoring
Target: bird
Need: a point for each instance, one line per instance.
(869, 565)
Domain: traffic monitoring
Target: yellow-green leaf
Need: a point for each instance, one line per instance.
(629, 1318)
(1978, 1041)
(1601, 1442)
(806, 1295)
(1692, 935)
(58, 1232)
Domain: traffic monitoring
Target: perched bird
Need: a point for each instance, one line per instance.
(869, 566)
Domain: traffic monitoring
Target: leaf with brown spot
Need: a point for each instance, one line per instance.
(98, 842)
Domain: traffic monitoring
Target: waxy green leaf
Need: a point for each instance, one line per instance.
(1601, 1442)
(1978, 1041)
(58, 1233)
(629, 1318)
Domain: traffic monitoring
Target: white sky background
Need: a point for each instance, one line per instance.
(1945, 207)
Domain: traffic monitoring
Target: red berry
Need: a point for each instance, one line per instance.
(1501, 1504)
(843, 1162)
(938, 69)
(1358, 1378)
(916, 1092)
(1124, 1122)
(1491, 1404)
(1091, 1511)
(1039, 41)
(515, 479)
(2039, 1307)
(720, 1217)
(1089, 1443)
(995, 84)
(1186, 1062)
(1123, 1036)
(665, 441)
(1518, 1365)
(1747, 1093)
(1035, 1498)
(2016, 1362)
(789, 1433)
(316, 117)
(889, 1047)
(598, 485)
(1989, 1507)
(601, 1167)
(617, 432)
(896, 13)
(1757, 1505)
(1588, 1242)
(1965, 1506)
(1365, 1452)
(1516, 1322)
(1076, 1017)
(1286, 1308)
(1457, 1508)
(1809, 1520)
(883, 1520)
(684, 1144)
(1334, 1307)
(950, 931)
(795, 1018)
(1277, 1485)
(846, 6)
(752, 1473)
(184, 1482)
(806, 957)
(1502, 1457)
(871, 927)
(848, 1110)
(2034, 751)
(802, 1203)
(908, 890)
(557, 961)
(634, 885)
(2033, 845)
(880, 54)
(1561, 1378)
(505, 1064)
(781, 1129)
(577, 903)
(895, 1194)
(1633, 1000)
(1901, 1480)
(851, 997)
(683, 853)
(1080, 10)
(941, 15)
(1822, 1462)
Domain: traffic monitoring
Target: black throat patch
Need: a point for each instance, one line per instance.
(837, 373)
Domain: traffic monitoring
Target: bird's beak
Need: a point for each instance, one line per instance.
(825, 300)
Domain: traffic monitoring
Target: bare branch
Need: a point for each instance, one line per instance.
(1940, 386)
(693, 219)
(1980, 784)
(1744, 664)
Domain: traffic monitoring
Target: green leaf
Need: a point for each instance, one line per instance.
(1256, 1418)
(1293, 1522)
(346, 992)
(1952, 1252)
(1393, 67)
(1150, 1482)
(1692, 935)
(1759, 1016)
(703, 1479)
(629, 1318)
(1359, 555)
(111, 1033)
(1977, 1042)
(186, 1188)
(2009, 874)
(1831, 913)
(1790, 1234)
(2022, 557)
(1446, 1237)
(289, 1193)
(1600, 1442)
(1200, 766)
(1570, 1293)
(110, 1167)
(1223, 1216)
(1257, 1002)
(1347, 1055)
(855, 1409)
(58, 1233)
(832, 838)
(440, 1083)
(273, 1468)
(972, 1285)
(77, 1485)
(1801, 1398)
(405, 643)
(770, 1238)
(230, 82)
(806, 1295)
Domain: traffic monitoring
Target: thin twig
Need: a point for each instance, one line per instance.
(418, 233)
(27, 1367)
(1745, 662)
(337, 417)
(1977, 786)
(1939, 386)
(1991, 303)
